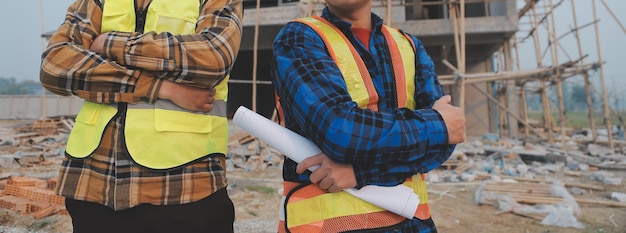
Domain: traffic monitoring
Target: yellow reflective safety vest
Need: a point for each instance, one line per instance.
(307, 208)
(158, 136)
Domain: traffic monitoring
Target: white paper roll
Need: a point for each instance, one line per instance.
(398, 199)
(276, 136)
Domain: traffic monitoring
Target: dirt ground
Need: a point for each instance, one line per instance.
(256, 196)
(453, 207)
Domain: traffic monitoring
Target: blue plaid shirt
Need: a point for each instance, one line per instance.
(384, 147)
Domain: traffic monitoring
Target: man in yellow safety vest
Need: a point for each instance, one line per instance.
(147, 151)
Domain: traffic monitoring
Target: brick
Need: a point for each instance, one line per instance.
(46, 211)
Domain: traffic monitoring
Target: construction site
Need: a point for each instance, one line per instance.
(526, 166)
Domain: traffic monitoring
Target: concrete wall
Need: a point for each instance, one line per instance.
(32, 107)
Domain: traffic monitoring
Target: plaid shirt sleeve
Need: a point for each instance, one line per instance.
(133, 65)
(384, 147)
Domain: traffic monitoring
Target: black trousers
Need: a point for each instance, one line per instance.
(214, 213)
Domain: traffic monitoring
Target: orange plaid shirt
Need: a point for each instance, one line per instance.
(130, 70)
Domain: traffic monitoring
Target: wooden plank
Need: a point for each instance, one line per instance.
(536, 180)
(600, 202)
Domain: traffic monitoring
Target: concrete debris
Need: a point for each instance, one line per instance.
(246, 152)
(577, 191)
(512, 169)
(612, 181)
(620, 197)
(8, 161)
(598, 150)
(605, 177)
(550, 203)
(515, 173)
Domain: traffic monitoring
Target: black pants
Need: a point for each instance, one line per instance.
(215, 213)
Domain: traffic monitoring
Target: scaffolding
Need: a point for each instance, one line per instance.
(537, 22)
(540, 18)
(537, 25)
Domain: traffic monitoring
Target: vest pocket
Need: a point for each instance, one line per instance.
(172, 23)
(163, 136)
(177, 19)
(117, 19)
(89, 113)
(87, 132)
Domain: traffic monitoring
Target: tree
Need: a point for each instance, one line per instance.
(579, 95)
(616, 94)
(9, 86)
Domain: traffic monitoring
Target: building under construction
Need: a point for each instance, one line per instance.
(474, 44)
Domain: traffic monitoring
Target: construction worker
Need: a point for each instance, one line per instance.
(368, 96)
(147, 150)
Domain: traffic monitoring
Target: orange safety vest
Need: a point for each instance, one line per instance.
(307, 208)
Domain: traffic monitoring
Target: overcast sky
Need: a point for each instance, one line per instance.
(21, 43)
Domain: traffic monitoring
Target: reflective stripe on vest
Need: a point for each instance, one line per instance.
(403, 60)
(341, 204)
(188, 135)
(354, 71)
(311, 209)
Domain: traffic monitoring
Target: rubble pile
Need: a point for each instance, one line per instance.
(30, 144)
(30, 155)
(31, 196)
(518, 177)
(514, 176)
(247, 153)
(29, 158)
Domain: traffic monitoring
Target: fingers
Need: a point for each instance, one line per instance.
(454, 118)
(327, 174)
(331, 187)
(212, 91)
(191, 98)
(309, 162)
(446, 99)
(205, 103)
(98, 44)
(318, 176)
(325, 183)
(329, 184)
(207, 107)
(442, 102)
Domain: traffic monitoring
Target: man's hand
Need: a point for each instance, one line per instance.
(329, 176)
(98, 43)
(454, 117)
(192, 98)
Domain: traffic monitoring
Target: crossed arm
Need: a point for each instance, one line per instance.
(131, 67)
(360, 146)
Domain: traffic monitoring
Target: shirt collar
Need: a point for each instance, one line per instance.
(377, 22)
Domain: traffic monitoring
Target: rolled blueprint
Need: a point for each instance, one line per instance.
(398, 199)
